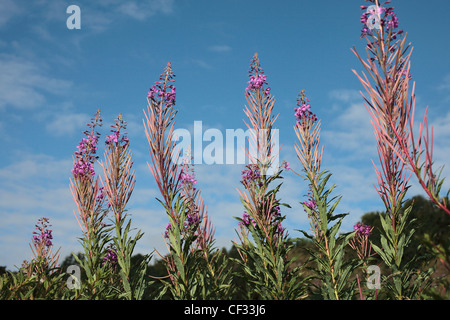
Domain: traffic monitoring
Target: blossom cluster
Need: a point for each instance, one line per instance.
(310, 203)
(161, 89)
(303, 111)
(110, 257)
(285, 165)
(362, 229)
(158, 91)
(257, 78)
(192, 220)
(246, 220)
(114, 137)
(168, 228)
(117, 137)
(85, 156)
(274, 218)
(188, 178)
(251, 175)
(44, 236)
(256, 82)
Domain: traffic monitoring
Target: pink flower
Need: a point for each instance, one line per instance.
(362, 230)
(257, 78)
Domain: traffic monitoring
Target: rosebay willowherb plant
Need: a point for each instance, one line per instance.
(362, 246)
(330, 267)
(391, 56)
(118, 187)
(265, 261)
(39, 278)
(194, 268)
(42, 257)
(89, 199)
(106, 260)
(392, 111)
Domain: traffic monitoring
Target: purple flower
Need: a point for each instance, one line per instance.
(114, 137)
(81, 168)
(303, 112)
(110, 257)
(162, 92)
(43, 236)
(279, 227)
(187, 178)
(257, 78)
(286, 165)
(251, 175)
(256, 82)
(168, 227)
(246, 220)
(275, 217)
(85, 156)
(101, 194)
(310, 203)
(362, 230)
(192, 219)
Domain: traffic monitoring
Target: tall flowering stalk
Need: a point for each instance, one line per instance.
(331, 269)
(43, 266)
(307, 130)
(118, 186)
(394, 119)
(266, 262)
(189, 232)
(392, 111)
(89, 198)
(214, 274)
(362, 246)
(41, 247)
(40, 278)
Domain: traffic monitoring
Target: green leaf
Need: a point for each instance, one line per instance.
(388, 250)
(382, 254)
(126, 285)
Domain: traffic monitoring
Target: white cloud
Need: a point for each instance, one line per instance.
(345, 95)
(220, 48)
(202, 63)
(350, 131)
(8, 10)
(28, 168)
(445, 84)
(66, 123)
(99, 16)
(23, 83)
(143, 9)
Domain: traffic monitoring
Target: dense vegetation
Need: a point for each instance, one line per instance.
(431, 223)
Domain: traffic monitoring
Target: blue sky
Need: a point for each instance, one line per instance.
(52, 80)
